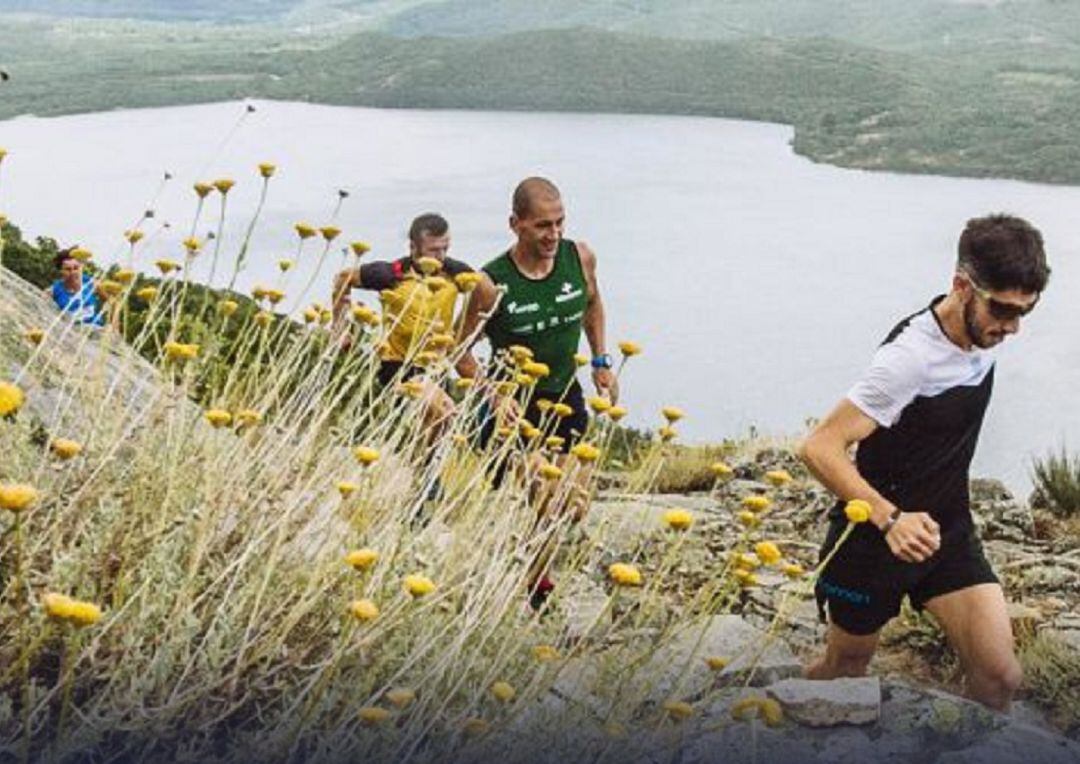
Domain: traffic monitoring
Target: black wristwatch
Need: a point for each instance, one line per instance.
(602, 361)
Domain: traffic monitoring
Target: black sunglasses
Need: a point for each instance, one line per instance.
(1002, 311)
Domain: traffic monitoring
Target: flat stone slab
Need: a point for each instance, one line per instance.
(828, 703)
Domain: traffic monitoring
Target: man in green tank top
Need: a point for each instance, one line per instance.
(539, 295)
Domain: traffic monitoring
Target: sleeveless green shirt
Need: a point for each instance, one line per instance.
(544, 315)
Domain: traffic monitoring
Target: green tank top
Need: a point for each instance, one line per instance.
(544, 315)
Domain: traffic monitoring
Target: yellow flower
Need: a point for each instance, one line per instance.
(124, 276)
(74, 611)
(110, 288)
(768, 552)
(304, 231)
(167, 266)
(667, 433)
(223, 185)
(562, 410)
(362, 559)
(778, 477)
(247, 417)
(65, 448)
(34, 336)
(11, 398)
(347, 488)
(858, 510)
(474, 727)
(749, 519)
(219, 417)
(678, 710)
(147, 293)
(263, 319)
(192, 244)
(17, 497)
(586, 452)
(330, 232)
(134, 236)
(599, 404)
(721, 470)
(373, 715)
(360, 248)
(366, 455)
(766, 709)
(81, 254)
(267, 169)
(580, 359)
(678, 519)
(716, 663)
(202, 190)
(756, 503)
(401, 696)
(536, 369)
(418, 585)
(550, 472)
(672, 414)
(616, 413)
(285, 265)
(545, 653)
(364, 610)
(555, 441)
(624, 574)
(793, 570)
(365, 315)
(503, 692)
(181, 351)
(467, 281)
(429, 266)
(628, 348)
(745, 577)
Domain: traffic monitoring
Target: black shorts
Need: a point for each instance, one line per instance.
(569, 428)
(864, 584)
(388, 370)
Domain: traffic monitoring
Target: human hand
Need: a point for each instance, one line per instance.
(607, 384)
(914, 537)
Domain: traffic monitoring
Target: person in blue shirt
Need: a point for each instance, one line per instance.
(75, 293)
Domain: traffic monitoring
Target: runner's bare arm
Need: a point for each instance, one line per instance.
(825, 453)
(594, 323)
(481, 302)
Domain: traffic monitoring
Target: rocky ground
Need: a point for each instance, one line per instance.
(904, 712)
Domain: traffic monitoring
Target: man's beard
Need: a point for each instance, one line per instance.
(974, 331)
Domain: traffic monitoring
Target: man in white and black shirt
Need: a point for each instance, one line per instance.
(915, 415)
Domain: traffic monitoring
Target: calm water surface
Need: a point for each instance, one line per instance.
(758, 282)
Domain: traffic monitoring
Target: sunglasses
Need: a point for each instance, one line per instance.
(1002, 311)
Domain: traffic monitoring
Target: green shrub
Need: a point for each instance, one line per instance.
(1057, 484)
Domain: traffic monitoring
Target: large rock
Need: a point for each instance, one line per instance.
(997, 513)
(679, 667)
(828, 703)
(1016, 744)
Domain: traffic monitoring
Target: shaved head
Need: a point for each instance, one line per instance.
(529, 191)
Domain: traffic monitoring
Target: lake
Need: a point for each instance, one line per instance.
(758, 282)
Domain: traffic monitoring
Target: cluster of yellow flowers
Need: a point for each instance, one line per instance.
(77, 612)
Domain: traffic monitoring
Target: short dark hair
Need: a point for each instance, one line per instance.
(527, 190)
(63, 256)
(430, 223)
(1003, 252)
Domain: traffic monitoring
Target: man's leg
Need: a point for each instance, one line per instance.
(977, 624)
(846, 654)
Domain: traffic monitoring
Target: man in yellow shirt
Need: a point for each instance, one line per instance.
(418, 294)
